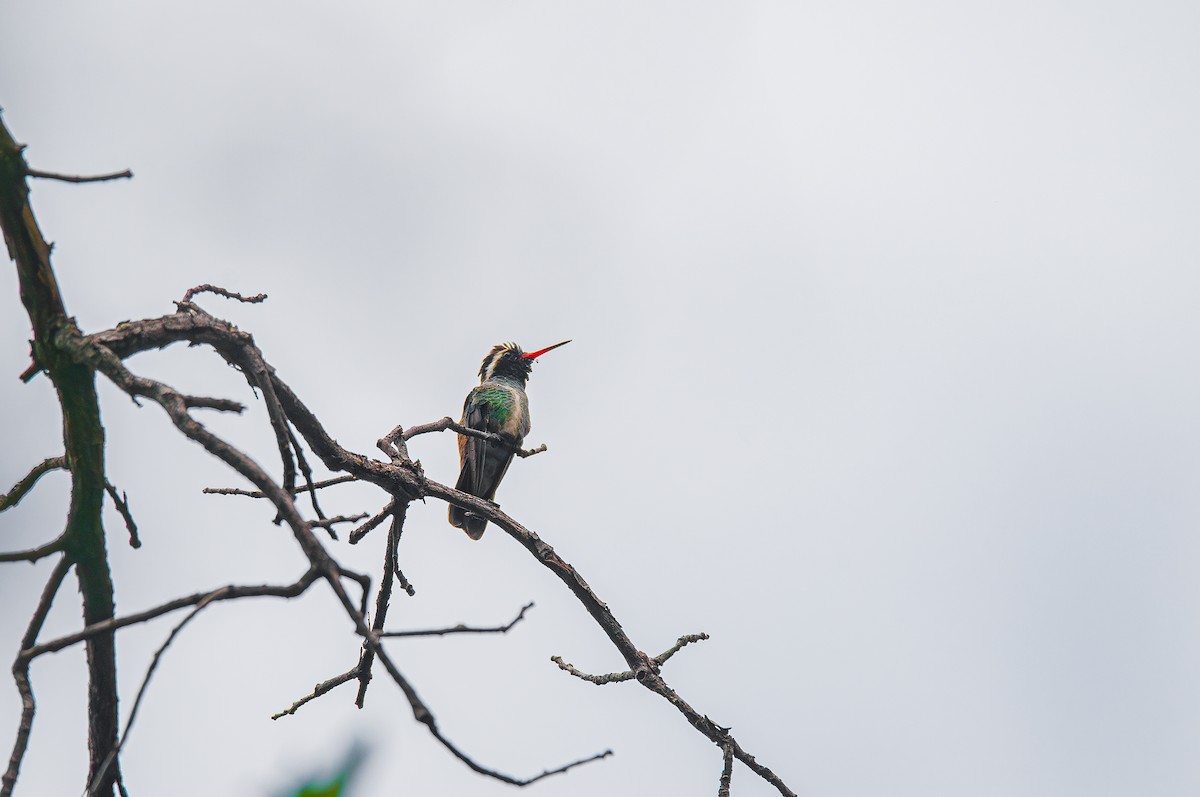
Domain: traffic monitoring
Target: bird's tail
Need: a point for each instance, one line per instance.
(473, 525)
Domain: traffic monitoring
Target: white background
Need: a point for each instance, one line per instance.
(884, 375)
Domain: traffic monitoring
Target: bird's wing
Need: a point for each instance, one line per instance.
(472, 451)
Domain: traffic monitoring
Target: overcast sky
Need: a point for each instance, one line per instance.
(883, 374)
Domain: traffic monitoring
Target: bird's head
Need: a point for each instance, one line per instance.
(509, 360)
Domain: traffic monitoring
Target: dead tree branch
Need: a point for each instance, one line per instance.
(598, 680)
(83, 442)
(13, 496)
(72, 359)
(650, 664)
(259, 494)
(221, 405)
(726, 772)
(231, 592)
(121, 502)
(680, 643)
(383, 597)
(448, 423)
(463, 629)
(32, 555)
(318, 690)
(71, 178)
(137, 701)
(206, 288)
(20, 671)
(329, 522)
(402, 479)
(362, 531)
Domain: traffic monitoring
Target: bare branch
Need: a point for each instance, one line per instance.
(363, 581)
(232, 491)
(122, 504)
(318, 690)
(399, 512)
(206, 288)
(367, 527)
(683, 641)
(70, 356)
(13, 496)
(529, 452)
(219, 404)
(402, 479)
(259, 494)
(35, 554)
(563, 769)
(726, 773)
(83, 436)
(448, 423)
(598, 680)
(491, 773)
(137, 702)
(307, 471)
(32, 370)
(20, 672)
(231, 592)
(328, 523)
(404, 585)
(462, 629)
(392, 444)
(69, 178)
(647, 664)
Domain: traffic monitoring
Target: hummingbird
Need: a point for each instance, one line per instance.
(497, 405)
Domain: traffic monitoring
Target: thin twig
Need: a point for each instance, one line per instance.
(382, 598)
(463, 629)
(491, 437)
(122, 504)
(329, 522)
(20, 672)
(646, 665)
(307, 472)
(219, 404)
(54, 546)
(598, 680)
(259, 494)
(233, 491)
(680, 643)
(371, 524)
(206, 288)
(30, 372)
(231, 592)
(25, 485)
(408, 588)
(363, 581)
(491, 773)
(318, 690)
(70, 178)
(137, 702)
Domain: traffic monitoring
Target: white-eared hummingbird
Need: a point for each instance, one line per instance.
(499, 405)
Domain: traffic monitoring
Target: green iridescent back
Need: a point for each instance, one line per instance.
(498, 400)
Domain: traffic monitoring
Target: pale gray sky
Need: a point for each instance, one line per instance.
(885, 320)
